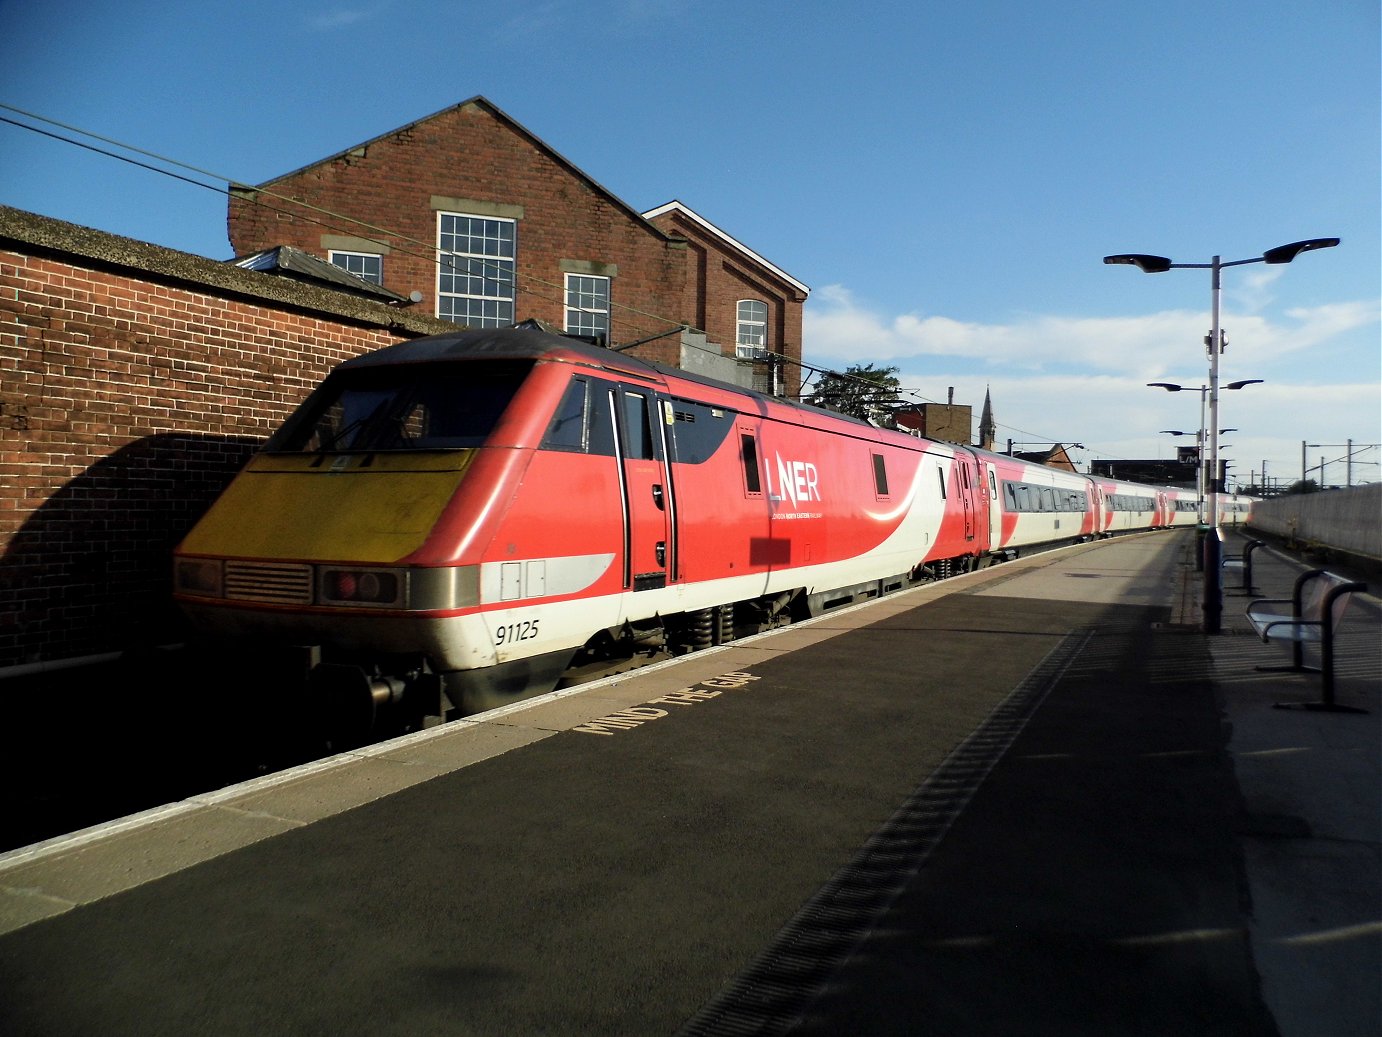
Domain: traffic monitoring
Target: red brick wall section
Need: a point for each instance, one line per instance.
(721, 278)
(125, 407)
(470, 153)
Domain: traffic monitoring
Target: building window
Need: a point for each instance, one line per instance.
(476, 270)
(753, 329)
(587, 305)
(362, 264)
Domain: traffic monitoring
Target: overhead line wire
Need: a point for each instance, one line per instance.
(433, 254)
(234, 186)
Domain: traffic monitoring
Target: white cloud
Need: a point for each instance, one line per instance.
(1083, 379)
(337, 18)
(837, 331)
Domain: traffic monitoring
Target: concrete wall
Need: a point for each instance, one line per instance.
(1347, 520)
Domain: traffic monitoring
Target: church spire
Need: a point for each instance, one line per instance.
(988, 428)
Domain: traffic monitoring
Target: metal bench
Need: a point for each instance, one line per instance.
(1243, 563)
(1316, 608)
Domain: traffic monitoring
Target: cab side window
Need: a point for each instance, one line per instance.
(582, 422)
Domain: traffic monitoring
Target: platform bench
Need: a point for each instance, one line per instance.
(1311, 615)
(1243, 563)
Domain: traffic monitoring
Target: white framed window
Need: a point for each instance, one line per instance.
(587, 305)
(476, 269)
(752, 337)
(365, 265)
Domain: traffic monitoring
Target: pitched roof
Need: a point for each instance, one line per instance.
(483, 102)
(706, 225)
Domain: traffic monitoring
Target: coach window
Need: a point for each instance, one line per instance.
(748, 453)
(639, 443)
(880, 475)
(581, 423)
(568, 428)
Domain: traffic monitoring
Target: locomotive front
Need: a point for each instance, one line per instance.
(351, 536)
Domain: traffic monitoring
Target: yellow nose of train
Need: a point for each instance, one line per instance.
(365, 508)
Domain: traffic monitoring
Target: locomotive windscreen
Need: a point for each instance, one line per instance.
(403, 407)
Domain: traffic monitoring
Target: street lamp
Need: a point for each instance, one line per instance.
(1213, 541)
(1200, 437)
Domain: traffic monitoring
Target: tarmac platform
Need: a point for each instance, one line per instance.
(1031, 800)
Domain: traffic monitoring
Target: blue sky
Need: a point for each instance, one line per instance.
(946, 177)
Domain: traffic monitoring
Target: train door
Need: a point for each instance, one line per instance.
(995, 508)
(647, 490)
(967, 495)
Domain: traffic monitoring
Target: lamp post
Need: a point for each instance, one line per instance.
(1201, 479)
(1213, 541)
(1199, 451)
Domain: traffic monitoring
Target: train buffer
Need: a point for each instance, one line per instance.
(1312, 615)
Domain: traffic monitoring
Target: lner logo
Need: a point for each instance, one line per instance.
(797, 481)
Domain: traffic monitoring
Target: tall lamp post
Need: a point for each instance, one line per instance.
(1199, 457)
(1201, 481)
(1213, 541)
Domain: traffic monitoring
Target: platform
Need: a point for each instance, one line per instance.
(1034, 799)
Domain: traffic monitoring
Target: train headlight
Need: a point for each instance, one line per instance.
(376, 588)
(199, 576)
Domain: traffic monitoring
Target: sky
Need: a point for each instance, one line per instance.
(945, 177)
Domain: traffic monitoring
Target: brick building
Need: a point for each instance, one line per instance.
(480, 222)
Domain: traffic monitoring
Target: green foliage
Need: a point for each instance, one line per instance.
(862, 391)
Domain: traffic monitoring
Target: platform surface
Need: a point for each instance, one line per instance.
(1033, 800)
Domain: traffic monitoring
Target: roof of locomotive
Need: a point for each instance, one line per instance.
(514, 343)
(531, 343)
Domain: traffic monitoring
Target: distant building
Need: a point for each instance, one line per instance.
(1054, 457)
(1162, 472)
(474, 220)
(948, 422)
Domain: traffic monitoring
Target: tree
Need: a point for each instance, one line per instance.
(865, 391)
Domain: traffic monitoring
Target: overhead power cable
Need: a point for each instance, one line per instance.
(431, 254)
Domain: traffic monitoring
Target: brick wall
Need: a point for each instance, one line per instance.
(718, 278)
(473, 159)
(134, 382)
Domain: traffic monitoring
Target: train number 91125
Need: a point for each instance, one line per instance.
(511, 632)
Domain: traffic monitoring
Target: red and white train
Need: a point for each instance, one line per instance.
(456, 519)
